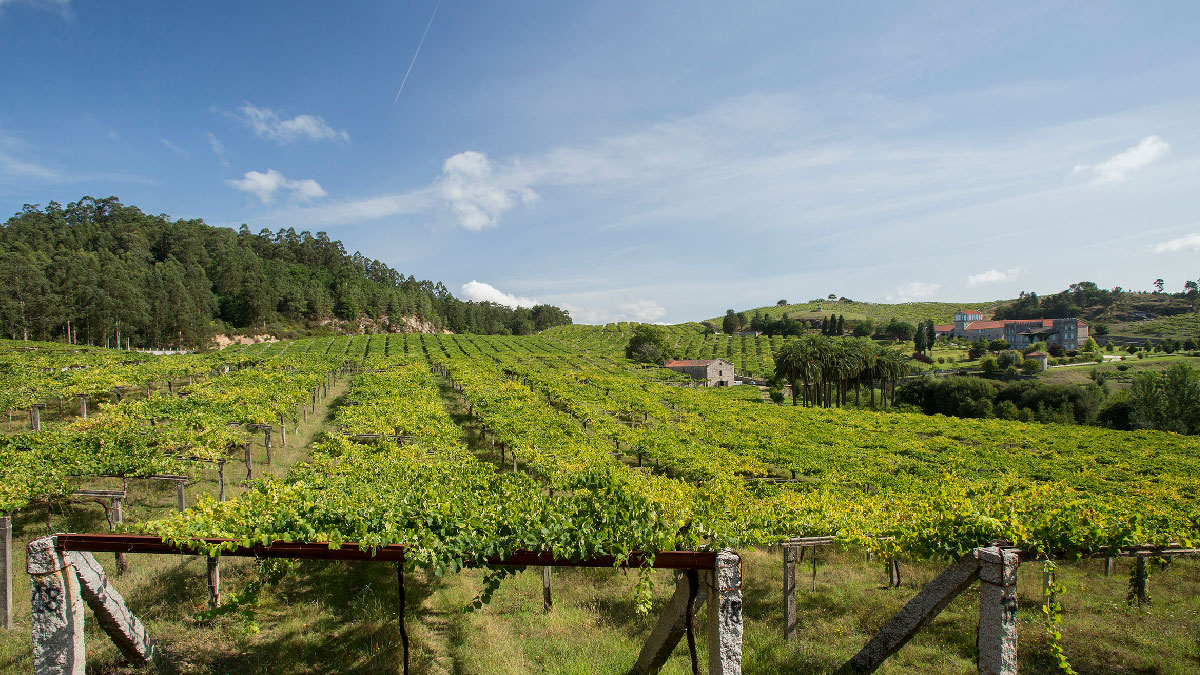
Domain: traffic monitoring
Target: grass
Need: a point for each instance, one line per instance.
(341, 617)
(1178, 326)
(1120, 379)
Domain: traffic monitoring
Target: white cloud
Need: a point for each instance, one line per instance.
(478, 291)
(599, 311)
(218, 148)
(1119, 166)
(476, 195)
(61, 7)
(175, 148)
(266, 185)
(14, 165)
(914, 291)
(267, 123)
(992, 276)
(1188, 242)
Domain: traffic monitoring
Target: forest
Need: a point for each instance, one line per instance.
(100, 272)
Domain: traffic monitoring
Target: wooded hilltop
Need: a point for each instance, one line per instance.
(100, 272)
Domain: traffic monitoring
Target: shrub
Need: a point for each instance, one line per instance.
(923, 358)
(1009, 358)
(1007, 410)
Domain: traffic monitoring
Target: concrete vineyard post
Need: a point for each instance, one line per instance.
(547, 601)
(180, 497)
(6, 606)
(111, 612)
(267, 442)
(214, 583)
(789, 592)
(82, 405)
(914, 616)
(725, 616)
(997, 638)
(119, 517)
(35, 417)
(57, 611)
(671, 624)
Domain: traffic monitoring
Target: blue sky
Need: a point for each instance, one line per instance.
(644, 161)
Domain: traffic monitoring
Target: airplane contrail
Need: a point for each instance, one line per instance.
(418, 51)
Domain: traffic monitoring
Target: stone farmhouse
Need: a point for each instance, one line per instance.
(1019, 333)
(716, 372)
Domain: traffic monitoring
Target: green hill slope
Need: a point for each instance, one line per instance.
(912, 312)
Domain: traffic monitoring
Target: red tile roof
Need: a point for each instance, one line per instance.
(943, 329)
(971, 311)
(1037, 354)
(983, 325)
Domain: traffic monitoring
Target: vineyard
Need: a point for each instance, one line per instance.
(468, 452)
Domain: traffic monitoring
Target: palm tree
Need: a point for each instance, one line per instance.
(789, 364)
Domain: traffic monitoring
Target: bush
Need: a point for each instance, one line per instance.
(1009, 359)
(776, 394)
(941, 359)
(923, 358)
(1007, 410)
(1117, 413)
(1056, 350)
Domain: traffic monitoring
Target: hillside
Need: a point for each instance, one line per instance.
(99, 272)
(1114, 312)
(879, 313)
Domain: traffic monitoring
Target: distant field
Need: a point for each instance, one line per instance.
(1121, 379)
(1178, 326)
(912, 312)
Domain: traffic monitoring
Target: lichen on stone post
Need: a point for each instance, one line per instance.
(57, 618)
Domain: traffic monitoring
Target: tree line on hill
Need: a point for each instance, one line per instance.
(99, 272)
(1086, 300)
(832, 325)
